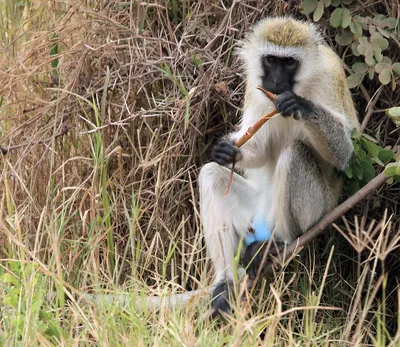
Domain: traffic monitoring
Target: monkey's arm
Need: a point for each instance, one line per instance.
(330, 134)
(328, 131)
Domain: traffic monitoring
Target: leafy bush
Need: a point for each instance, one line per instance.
(368, 36)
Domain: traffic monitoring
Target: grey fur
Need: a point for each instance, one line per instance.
(333, 135)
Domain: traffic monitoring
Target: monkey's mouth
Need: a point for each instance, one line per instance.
(278, 89)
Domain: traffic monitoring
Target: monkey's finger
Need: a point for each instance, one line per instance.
(229, 151)
(288, 107)
(281, 98)
(223, 159)
(294, 110)
(228, 144)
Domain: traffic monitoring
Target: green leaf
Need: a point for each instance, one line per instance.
(345, 39)
(347, 2)
(394, 114)
(369, 56)
(362, 154)
(362, 21)
(391, 169)
(380, 42)
(378, 54)
(346, 18)
(349, 172)
(366, 161)
(385, 155)
(326, 2)
(336, 17)
(371, 73)
(383, 32)
(319, 11)
(381, 66)
(358, 170)
(369, 171)
(369, 138)
(8, 278)
(376, 160)
(387, 60)
(390, 180)
(335, 3)
(363, 47)
(378, 17)
(360, 67)
(356, 29)
(389, 22)
(355, 135)
(372, 31)
(372, 149)
(355, 79)
(396, 68)
(354, 48)
(385, 76)
(309, 6)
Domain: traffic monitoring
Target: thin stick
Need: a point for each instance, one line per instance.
(328, 219)
(255, 127)
(228, 186)
(250, 132)
(370, 108)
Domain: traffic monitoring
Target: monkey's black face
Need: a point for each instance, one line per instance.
(279, 73)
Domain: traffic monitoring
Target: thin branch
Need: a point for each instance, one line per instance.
(370, 108)
(329, 218)
(255, 127)
(250, 132)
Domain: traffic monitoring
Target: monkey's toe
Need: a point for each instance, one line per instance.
(221, 295)
(254, 259)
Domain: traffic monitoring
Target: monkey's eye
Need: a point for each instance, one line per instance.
(290, 61)
(271, 59)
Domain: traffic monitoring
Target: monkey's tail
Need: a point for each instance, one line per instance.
(149, 302)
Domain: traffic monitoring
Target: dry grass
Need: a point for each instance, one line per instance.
(107, 111)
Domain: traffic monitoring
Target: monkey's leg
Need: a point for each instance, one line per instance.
(224, 220)
(300, 198)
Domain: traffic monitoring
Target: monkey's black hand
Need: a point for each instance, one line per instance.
(220, 298)
(225, 152)
(253, 257)
(290, 104)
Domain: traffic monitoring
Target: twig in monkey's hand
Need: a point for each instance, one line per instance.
(255, 127)
(250, 132)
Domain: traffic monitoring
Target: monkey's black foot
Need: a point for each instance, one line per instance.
(221, 295)
(254, 258)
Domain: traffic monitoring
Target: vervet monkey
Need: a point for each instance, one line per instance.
(291, 165)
